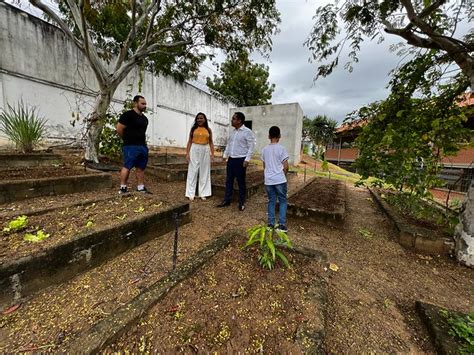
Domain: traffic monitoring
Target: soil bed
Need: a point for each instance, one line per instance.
(21, 160)
(66, 223)
(320, 194)
(232, 305)
(252, 178)
(428, 221)
(41, 173)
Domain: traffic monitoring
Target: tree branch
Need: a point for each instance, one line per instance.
(64, 27)
(90, 50)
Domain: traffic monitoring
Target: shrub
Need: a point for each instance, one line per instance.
(22, 125)
(268, 245)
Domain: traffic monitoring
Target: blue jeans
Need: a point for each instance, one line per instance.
(274, 192)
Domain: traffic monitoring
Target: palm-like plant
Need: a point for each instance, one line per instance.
(270, 240)
(22, 125)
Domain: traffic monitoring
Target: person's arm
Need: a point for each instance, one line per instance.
(188, 147)
(226, 150)
(285, 167)
(120, 128)
(251, 142)
(211, 144)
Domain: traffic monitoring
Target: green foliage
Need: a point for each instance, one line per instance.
(22, 125)
(418, 209)
(16, 224)
(243, 80)
(167, 37)
(432, 26)
(319, 130)
(462, 327)
(406, 138)
(269, 246)
(36, 237)
(110, 142)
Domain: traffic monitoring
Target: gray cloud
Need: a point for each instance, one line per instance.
(340, 93)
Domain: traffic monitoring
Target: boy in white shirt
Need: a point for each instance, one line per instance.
(275, 164)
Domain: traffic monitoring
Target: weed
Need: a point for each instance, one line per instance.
(35, 237)
(461, 327)
(16, 224)
(367, 234)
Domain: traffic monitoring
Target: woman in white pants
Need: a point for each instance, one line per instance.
(199, 153)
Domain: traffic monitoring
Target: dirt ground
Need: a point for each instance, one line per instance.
(371, 296)
(66, 223)
(40, 173)
(231, 305)
(321, 194)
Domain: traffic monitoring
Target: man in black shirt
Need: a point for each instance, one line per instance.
(131, 127)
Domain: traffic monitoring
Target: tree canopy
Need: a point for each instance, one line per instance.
(429, 25)
(319, 130)
(243, 80)
(171, 37)
(406, 138)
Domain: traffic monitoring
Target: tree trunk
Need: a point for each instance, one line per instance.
(96, 122)
(464, 233)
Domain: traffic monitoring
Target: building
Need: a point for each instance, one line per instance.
(289, 117)
(457, 171)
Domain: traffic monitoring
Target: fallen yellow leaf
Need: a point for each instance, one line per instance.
(334, 267)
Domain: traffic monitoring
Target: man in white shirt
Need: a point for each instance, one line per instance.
(238, 152)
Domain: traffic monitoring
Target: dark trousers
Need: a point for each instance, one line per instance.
(235, 169)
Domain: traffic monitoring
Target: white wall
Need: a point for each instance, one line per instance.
(289, 117)
(41, 66)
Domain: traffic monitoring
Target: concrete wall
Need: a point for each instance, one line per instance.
(289, 117)
(41, 66)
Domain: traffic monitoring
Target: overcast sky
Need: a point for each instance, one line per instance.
(335, 96)
(340, 93)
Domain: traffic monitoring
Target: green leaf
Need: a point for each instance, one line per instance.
(271, 246)
(283, 258)
(34, 238)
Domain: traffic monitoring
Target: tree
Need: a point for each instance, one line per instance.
(429, 28)
(320, 130)
(162, 36)
(406, 138)
(243, 80)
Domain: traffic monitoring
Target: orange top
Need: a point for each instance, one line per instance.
(201, 136)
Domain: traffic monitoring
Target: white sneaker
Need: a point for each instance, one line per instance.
(203, 198)
(191, 198)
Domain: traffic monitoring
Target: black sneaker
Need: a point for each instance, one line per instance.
(145, 191)
(223, 204)
(282, 228)
(123, 190)
(272, 226)
(241, 207)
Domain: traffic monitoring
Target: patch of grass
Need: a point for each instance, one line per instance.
(22, 125)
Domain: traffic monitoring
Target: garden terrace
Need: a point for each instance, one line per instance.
(79, 237)
(30, 160)
(164, 158)
(285, 312)
(321, 200)
(373, 282)
(254, 184)
(20, 184)
(179, 172)
(422, 236)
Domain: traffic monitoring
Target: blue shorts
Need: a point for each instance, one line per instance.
(135, 156)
